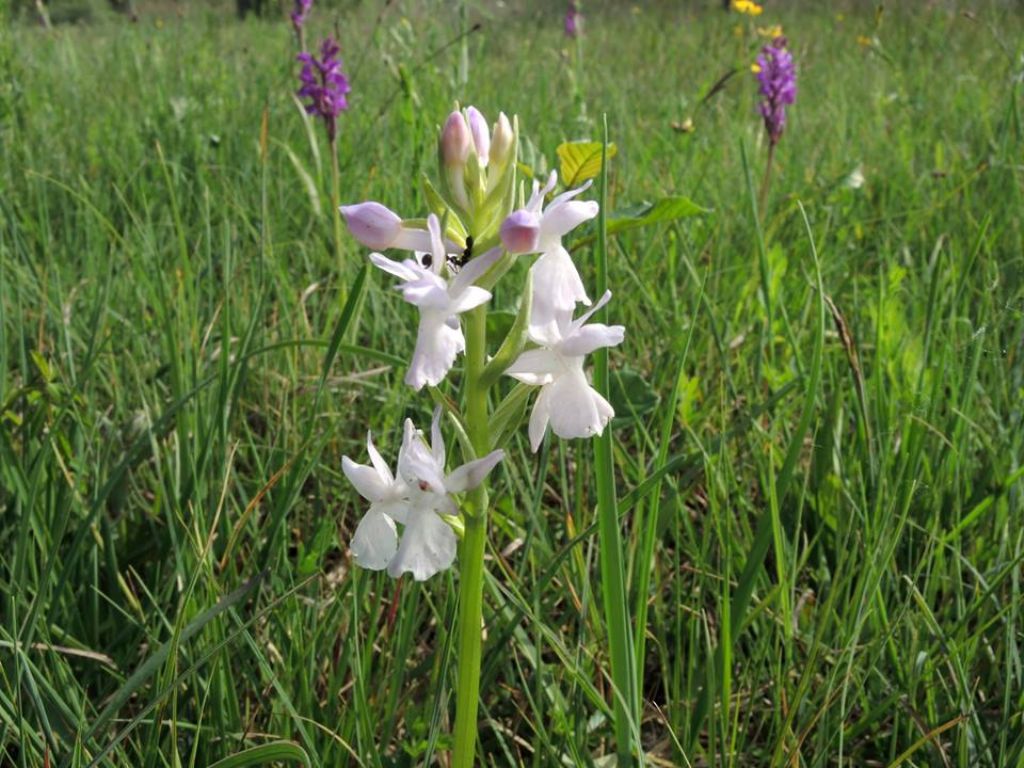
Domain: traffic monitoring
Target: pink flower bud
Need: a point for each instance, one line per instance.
(501, 141)
(372, 224)
(481, 135)
(520, 231)
(455, 140)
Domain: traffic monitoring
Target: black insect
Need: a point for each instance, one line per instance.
(458, 261)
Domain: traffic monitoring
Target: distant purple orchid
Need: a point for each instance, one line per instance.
(573, 20)
(325, 85)
(777, 75)
(300, 14)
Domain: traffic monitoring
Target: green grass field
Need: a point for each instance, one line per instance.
(178, 384)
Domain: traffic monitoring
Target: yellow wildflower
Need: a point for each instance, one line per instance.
(775, 30)
(863, 41)
(748, 7)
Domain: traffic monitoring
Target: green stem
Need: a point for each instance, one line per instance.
(471, 559)
(335, 204)
(626, 704)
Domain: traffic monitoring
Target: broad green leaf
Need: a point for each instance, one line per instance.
(666, 209)
(581, 160)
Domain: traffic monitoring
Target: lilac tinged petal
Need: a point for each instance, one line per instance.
(481, 134)
(372, 224)
(455, 140)
(520, 231)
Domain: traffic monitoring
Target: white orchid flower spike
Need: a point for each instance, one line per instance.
(557, 287)
(439, 339)
(376, 540)
(567, 401)
(428, 542)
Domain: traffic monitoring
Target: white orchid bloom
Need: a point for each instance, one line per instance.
(567, 401)
(376, 540)
(557, 286)
(428, 542)
(439, 339)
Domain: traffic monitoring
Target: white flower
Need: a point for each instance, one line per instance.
(439, 339)
(376, 540)
(567, 401)
(557, 286)
(428, 542)
(416, 499)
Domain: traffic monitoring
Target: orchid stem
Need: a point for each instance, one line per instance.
(335, 203)
(471, 584)
(766, 180)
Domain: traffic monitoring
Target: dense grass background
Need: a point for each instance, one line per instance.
(175, 580)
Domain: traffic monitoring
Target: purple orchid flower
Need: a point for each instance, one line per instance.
(325, 85)
(573, 20)
(777, 75)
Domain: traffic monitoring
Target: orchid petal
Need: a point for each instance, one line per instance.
(402, 270)
(474, 270)
(559, 220)
(375, 541)
(590, 337)
(437, 346)
(428, 546)
(383, 470)
(536, 367)
(577, 409)
(539, 418)
(469, 476)
(416, 462)
(368, 483)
